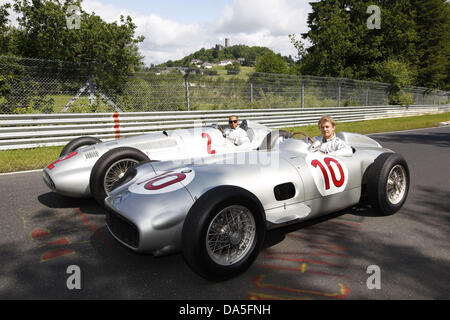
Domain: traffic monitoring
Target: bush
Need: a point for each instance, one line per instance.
(399, 74)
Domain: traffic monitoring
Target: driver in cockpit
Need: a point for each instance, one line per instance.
(330, 143)
(234, 133)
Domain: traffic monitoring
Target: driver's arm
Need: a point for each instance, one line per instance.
(338, 148)
(345, 151)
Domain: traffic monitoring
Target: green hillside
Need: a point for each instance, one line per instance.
(214, 55)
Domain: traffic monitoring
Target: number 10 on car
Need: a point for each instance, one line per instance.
(330, 174)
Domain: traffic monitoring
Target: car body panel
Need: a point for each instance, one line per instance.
(317, 191)
(70, 176)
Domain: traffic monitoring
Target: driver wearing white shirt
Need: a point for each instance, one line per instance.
(330, 143)
(234, 133)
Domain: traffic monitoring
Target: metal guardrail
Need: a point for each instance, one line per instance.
(36, 130)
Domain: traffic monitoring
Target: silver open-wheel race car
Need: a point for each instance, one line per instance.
(88, 167)
(217, 211)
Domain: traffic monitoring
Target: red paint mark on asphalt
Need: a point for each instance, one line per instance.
(59, 242)
(39, 233)
(342, 294)
(304, 260)
(56, 253)
(306, 263)
(92, 226)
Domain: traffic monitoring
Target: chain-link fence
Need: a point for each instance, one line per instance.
(43, 86)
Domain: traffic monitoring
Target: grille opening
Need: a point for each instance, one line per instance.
(123, 229)
(284, 191)
(49, 182)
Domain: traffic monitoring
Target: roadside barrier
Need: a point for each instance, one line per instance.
(20, 131)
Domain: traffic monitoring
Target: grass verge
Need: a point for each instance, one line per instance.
(381, 125)
(37, 158)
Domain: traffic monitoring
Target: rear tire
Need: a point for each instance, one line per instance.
(388, 183)
(78, 143)
(223, 233)
(110, 168)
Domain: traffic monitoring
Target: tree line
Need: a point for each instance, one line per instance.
(411, 45)
(215, 55)
(47, 29)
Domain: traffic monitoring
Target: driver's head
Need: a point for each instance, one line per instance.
(233, 121)
(327, 126)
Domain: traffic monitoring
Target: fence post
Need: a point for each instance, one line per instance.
(339, 93)
(251, 90)
(303, 94)
(186, 85)
(367, 96)
(91, 90)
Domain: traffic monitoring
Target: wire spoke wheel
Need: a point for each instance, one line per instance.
(116, 171)
(396, 184)
(230, 235)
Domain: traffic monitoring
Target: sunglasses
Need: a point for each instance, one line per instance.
(232, 121)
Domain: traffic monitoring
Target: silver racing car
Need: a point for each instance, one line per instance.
(217, 211)
(88, 167)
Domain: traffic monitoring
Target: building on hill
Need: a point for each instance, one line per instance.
(207, 65)
(196, 61)
(241, 60)
(225, 62)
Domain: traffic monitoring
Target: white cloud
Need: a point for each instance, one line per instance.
(250, 22)
(278, 17)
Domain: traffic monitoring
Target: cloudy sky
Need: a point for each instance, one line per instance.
(176, 28)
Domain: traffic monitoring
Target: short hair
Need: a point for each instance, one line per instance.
(233, 116)
(327, 119)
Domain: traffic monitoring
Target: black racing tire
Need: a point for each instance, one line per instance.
(272, 137)
(206, 214)
(78, 143)
(130, 174)
(388, 183)
(110, 167)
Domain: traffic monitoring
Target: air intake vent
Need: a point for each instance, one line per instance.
(90, 155)
(284, 191)
(123, 229)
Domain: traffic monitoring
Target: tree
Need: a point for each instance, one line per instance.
(415, 32)
(4, 29)
(343, 45)
(433, 25)
(399, 75)
(271, 63)
(332, 40)
(111, 48)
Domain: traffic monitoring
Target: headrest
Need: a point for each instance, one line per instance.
(244, 125)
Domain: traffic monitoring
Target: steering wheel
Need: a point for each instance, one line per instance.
(221, 129)
(305, 135)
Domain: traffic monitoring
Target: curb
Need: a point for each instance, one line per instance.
(18, 172)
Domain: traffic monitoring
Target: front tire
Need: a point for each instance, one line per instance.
(388, 183)
(110, 168)
(223, 233)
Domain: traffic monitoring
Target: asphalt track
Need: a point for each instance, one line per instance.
(43, 233)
